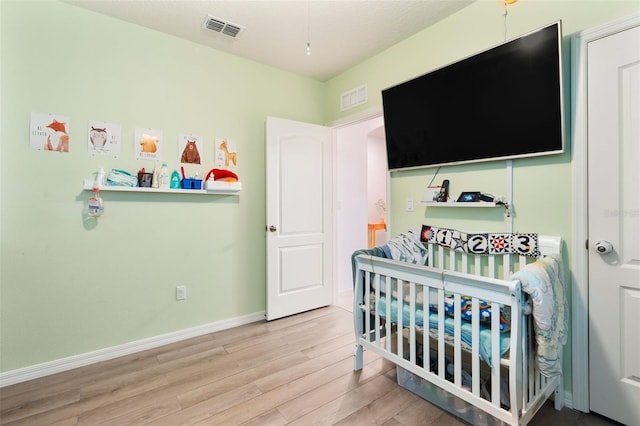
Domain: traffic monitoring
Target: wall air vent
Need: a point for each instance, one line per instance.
(354, 97)
(221, 26)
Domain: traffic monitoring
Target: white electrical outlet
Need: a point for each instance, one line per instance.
(409, 204)
(181, 292)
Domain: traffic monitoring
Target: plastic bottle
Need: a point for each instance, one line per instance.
(164, 177)
(96, 207)
(100, 178)
(175, 180)
(154, 178)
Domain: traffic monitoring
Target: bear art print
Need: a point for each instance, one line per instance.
(190, 154)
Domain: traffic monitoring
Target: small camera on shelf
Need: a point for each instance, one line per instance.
(443, 195)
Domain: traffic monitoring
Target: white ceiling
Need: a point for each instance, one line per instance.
(341, 33)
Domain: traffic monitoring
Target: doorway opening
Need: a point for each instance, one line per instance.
(361, 197)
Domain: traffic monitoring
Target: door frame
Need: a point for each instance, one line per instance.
(368, 114)
(579, 258)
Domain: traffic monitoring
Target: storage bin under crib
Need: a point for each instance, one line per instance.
(444, 400)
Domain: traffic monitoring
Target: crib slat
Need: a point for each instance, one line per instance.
(430, 254)
(367, 306)
(457, 352)
(464, 259)
(412, 321)
(495, 354)
(400, 318)
(475, 351)
(388, 313)
(441, 366)
(426, 350)
(522, 262)
(376, 284)
(492, 267)
(525, 364)
(506, 266)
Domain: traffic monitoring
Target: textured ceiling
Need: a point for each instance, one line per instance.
(341, 33)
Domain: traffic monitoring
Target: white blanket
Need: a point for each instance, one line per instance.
(407, 247)
(543, 281)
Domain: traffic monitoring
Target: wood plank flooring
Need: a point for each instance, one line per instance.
(293, 371)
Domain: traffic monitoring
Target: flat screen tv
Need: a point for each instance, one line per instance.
(505, 102)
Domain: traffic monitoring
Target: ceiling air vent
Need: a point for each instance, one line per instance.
(221, 26)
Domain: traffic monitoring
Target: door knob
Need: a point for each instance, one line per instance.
(604, 247)
(272, 228)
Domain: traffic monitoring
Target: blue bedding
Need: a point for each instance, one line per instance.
(485, 331)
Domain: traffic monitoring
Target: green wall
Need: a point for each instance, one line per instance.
(71, 286)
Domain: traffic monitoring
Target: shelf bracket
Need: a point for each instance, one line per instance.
(507, 210)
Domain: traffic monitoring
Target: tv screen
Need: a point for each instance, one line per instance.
(505, 102)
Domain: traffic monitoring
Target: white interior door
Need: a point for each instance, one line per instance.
(299, 217)
(614, 225)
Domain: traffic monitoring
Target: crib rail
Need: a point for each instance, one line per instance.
(406, 343)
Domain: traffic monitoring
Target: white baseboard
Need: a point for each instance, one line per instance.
(81, 360)
(568, 400)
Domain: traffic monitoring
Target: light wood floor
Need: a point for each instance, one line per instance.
(296, 370)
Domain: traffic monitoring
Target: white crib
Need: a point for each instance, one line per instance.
(439, 365)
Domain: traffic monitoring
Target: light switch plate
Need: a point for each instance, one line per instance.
(409, 204)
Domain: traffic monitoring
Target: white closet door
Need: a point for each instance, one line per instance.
(614, 225)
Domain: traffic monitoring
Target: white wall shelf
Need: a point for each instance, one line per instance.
(211, 188)
(474, 204)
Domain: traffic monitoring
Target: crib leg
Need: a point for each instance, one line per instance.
(358, 358)
(558, 400)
